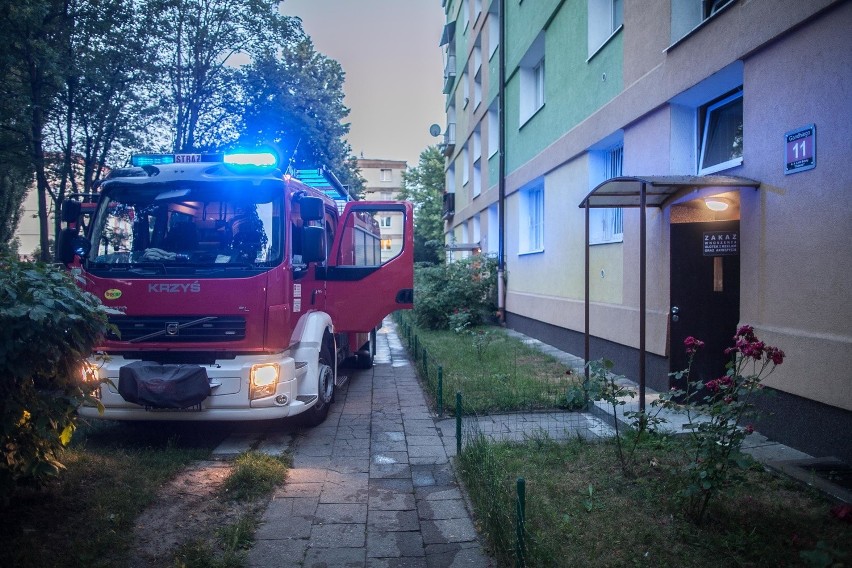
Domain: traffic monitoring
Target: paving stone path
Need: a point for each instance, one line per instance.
(372, 486)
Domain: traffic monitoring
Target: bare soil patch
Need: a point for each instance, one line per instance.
(189, 508)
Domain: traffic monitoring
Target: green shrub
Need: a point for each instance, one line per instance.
(459, 294)
(48, 326)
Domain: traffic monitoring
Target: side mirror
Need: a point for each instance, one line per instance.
(313, 244)
(311, 208)
(70, 211)
(71, 244)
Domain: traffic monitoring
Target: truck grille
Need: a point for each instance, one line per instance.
(178, 329)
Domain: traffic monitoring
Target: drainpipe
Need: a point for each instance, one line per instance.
(501, 189)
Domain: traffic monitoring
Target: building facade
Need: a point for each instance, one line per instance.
(383, 182)
(730, 117)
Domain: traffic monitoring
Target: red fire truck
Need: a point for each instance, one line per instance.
(235, 291)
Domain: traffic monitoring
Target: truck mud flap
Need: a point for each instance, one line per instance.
(154, 385)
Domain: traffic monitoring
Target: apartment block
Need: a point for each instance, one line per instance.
(651, 170)
(383, 182)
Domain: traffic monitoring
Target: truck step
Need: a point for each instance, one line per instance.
(306, 398)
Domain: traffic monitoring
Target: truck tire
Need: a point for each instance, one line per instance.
(325, 387)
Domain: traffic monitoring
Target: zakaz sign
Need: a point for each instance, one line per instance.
(800, 149)
(721, 243)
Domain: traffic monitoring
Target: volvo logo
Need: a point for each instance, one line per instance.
(172, 328)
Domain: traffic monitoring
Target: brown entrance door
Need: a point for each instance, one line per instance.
(705, 294)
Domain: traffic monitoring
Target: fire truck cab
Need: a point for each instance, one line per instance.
(235, 291)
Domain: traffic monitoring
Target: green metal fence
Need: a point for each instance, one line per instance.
(505, 507)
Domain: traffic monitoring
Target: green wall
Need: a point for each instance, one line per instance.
(574, 88)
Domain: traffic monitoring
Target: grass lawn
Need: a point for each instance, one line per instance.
(495, 372)
(85, 517)
(583, 511)
(581, 508)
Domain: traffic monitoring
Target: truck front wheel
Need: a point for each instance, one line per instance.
(325, 388)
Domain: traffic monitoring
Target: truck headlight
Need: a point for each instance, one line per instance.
(263, 379)
(89, 373)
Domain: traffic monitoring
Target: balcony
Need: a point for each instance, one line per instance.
(449, 144)
(449, 74)
(449, 208)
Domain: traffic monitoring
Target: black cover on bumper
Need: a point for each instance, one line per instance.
(163, 386)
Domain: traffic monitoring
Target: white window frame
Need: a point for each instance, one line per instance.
(605, 19)
(465, 89)
(464, 14)
(493, 132)
(385, 222)
(711, 111)
(465, 165)
(538, 83)
(385, 174)
(533, 82)
(492, 230)
(689, 15)
(531, 219)
(606, 225)
(493, 34)
(477, 162)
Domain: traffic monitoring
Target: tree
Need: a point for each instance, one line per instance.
(36, 34)
(423, 185)
(102, 103)
(197, 39)
(294, 100)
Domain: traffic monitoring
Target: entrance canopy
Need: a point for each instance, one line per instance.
(660, 191)
(643, 192)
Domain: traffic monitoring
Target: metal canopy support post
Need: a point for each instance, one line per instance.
(586, 347)
(642, 285)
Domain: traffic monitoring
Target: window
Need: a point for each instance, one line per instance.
(385, 222)
(387, 244)
(689, 14)
(477, 76)
(538, 83)
(492, 230)
(385, 175)
(532, 80)
(465, 89)
(493, 31)
(606, 225)
(722, 135)
(531, 229)
(605, 18)
(477, 162)
(465, 165)
(477, 229)
(493, 132)
(464, 15)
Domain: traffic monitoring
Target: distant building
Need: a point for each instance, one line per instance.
(730, 118)
(383, 182)
(28, 233)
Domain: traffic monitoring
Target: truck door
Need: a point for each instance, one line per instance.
(370, 267)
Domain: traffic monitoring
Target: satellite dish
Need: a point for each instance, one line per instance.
(435, 130)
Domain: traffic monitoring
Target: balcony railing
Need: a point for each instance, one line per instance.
(449, 73)
(449, 208)
(449, 144)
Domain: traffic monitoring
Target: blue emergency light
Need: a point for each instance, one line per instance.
(251, 159)
(139, 160)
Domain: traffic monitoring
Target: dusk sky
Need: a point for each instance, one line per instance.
(394, 69)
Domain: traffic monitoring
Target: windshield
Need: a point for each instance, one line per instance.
(188, 227)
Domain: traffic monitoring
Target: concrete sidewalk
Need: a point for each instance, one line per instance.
(372, 486)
